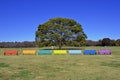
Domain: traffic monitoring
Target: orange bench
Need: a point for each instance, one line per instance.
(29, 52)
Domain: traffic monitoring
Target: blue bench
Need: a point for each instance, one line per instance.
(74, 51)
(90, 52)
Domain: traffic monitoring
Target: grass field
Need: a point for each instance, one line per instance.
(61, 67)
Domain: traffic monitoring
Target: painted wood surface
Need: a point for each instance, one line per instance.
(90, 52)
(10, 52)
(104, 51)
(29, 52)
(57, 52)
(75, 51)
(44, 52)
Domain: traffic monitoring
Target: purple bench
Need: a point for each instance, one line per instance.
(104, 51)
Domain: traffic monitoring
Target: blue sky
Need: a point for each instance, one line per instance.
(19, 19)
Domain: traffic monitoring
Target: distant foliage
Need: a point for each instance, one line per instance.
(24, 44)
(117, 42)
(27, 44)
(106, 42)
(103, 42)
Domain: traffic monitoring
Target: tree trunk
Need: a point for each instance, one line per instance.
(60, 45)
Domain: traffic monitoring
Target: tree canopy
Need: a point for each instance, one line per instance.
(59, 32)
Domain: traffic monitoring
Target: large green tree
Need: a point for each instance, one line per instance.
(60, 31)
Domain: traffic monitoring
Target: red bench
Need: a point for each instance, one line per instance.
(10, 52)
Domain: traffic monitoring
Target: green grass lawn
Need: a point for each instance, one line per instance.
(61, 67)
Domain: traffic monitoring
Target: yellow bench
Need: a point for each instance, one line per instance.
(57, 52)
(29, 52)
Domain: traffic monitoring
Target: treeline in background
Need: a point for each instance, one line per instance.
(32, 44)
(103, 42)
(25, 44)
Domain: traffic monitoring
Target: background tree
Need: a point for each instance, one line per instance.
(99, 42)
(112, 43)
(91, 43)
(106, 42)
(60, 31)
(117, 42)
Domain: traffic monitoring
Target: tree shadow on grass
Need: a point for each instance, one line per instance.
(115, 64)
(4, 65)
